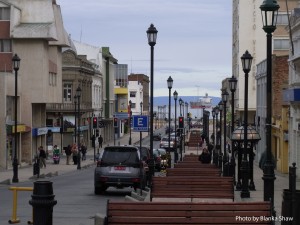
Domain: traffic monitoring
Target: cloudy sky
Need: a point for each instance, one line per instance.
(193, 41)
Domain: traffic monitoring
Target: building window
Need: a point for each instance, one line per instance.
(281, 44)
(133, 105)
(4, 13)
(282, 19)
(52, 79)
(132, 94)
(67, 92)
(5, 45)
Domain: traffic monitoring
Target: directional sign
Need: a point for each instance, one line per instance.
(101, 124)
(140, 123)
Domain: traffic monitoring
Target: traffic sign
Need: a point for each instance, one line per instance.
(140, 123)
(101, 124)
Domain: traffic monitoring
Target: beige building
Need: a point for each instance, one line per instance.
(34, 31)
(248, 35)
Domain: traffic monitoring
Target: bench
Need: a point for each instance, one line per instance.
(193, 171)
(192, 188)
(192, 164)
(190, 158)
(151, 213)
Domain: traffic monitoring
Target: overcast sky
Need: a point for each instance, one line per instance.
(193, 42)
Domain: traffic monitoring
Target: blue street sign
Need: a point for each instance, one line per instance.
(140, 123)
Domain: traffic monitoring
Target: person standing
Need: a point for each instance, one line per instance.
(42, 157)
(68, 152)
(74, 153)
(100, 140)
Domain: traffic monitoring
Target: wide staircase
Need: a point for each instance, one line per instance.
(195, 139)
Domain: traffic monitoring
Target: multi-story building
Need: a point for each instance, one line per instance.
(33, 30)
(292, 94)
(280, 111)
(248, 35)
(138, 91)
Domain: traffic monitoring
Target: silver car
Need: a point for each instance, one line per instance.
(119, 166)
(164, 143)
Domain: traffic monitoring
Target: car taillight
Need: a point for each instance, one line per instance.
(103, 179)
(99, 162)
(135, 180)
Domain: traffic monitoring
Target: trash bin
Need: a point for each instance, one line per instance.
(287, 207)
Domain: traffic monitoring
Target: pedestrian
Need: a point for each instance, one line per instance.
(74, 153)
(68, 152)
(42, 157)
(205, 156)
(83, 151)
(100, 140)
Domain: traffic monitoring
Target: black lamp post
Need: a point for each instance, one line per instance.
(16, 64)
(78, 94)
(213, 112)
(129, 120)
(225, 161)
(141, 107)
(269, 11)
(152, 35)
(246, 63)
(232, 84)
(170, 84)
(175, 95)
(221, 107)
(180, 104)
(75, 121)
(216, 154)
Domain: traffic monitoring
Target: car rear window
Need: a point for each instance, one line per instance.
(121, 156)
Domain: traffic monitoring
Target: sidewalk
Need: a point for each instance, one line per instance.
(281, 182)
(25, 173)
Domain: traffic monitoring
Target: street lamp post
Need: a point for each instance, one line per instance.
(269, 11)
(170, 84)
(75, 121)
(225, 161)
(78, 94)
(221, 107)
(152, 35)
(246, 63)
(216, 154)
(232, 85)
(175, 94)
(213, 112)
(129, 120)
(16, 64)
(141, 107)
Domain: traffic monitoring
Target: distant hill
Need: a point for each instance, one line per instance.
(164, 100)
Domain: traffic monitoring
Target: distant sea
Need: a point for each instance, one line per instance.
(164, 100)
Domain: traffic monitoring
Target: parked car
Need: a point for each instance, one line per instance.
(119, 166)
(159, 155)
(164, 143)
(156, 137)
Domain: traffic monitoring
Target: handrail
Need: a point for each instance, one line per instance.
(14, 218)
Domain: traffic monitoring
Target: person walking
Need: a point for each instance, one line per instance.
(83, 151)
(74, 153)
(100, 140)
(42, 157)
(68, 152)
(205, 156)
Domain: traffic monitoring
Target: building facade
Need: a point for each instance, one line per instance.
(248, 35)
(33, 30)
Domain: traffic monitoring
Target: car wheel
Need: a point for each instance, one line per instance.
(98, 190)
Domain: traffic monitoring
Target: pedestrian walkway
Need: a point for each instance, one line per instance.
(25, 173)
(281, 183)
